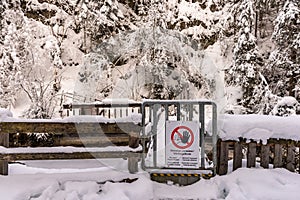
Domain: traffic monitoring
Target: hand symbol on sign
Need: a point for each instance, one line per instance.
(185, 137)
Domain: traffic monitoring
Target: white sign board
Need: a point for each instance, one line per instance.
(182, 144)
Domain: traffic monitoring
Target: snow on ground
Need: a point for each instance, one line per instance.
(91, 180)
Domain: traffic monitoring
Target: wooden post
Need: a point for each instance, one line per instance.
(133, 164)
(223, 158)
(264, 156)
(251, 155)
(3, 167)
(237, 156)
(277, 156)
(133, 140)
(4, 139)
(290, 160)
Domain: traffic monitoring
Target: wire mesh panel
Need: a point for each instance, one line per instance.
(175, 135)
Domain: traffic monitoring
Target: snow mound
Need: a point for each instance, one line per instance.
(4, 113)
(290, 101)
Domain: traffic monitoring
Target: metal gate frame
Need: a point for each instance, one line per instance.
(154, 105)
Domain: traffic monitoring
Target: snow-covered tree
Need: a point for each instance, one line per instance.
(13, 51)
(246, 61)
(263, 100)
(149, 63)
(42, 83)
(99, 20)
(284, 64)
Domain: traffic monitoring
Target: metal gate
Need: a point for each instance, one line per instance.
(181, 124)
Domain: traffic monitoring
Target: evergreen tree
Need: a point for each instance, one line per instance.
(284, 61)
(246, 60)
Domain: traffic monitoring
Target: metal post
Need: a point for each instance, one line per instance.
(190, 106)
(143, 135)
(201, 120)
(155, 123)
(178, 111)
(214, 136)
(166, 106)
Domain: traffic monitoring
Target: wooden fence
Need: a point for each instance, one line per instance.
(76, 134)
(280, 153)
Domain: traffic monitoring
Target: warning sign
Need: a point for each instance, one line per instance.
(182, 144)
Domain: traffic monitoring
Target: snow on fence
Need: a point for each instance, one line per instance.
(88, 140)
(268, 141)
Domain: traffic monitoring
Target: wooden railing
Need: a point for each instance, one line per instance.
(108, 110)
(76, 134)
(280, 153)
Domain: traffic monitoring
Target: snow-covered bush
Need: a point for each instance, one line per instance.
(287, 106)
(43, 97)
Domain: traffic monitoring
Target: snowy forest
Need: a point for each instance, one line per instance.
(243, 54)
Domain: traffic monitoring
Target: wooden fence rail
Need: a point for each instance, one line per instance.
(280, 153)
(108, 110)
(76, 134)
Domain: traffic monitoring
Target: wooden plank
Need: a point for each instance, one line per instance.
(237, 156)
(132, 140)
(4, 139)
(74, 155)
(3, 167)
(278, 156)
(251, 154)
(68, 127)
(265, 156)
(92, 141)
(290, 160)
(223, 158)
(282, 141)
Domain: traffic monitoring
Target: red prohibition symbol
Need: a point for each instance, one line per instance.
(186, 137)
